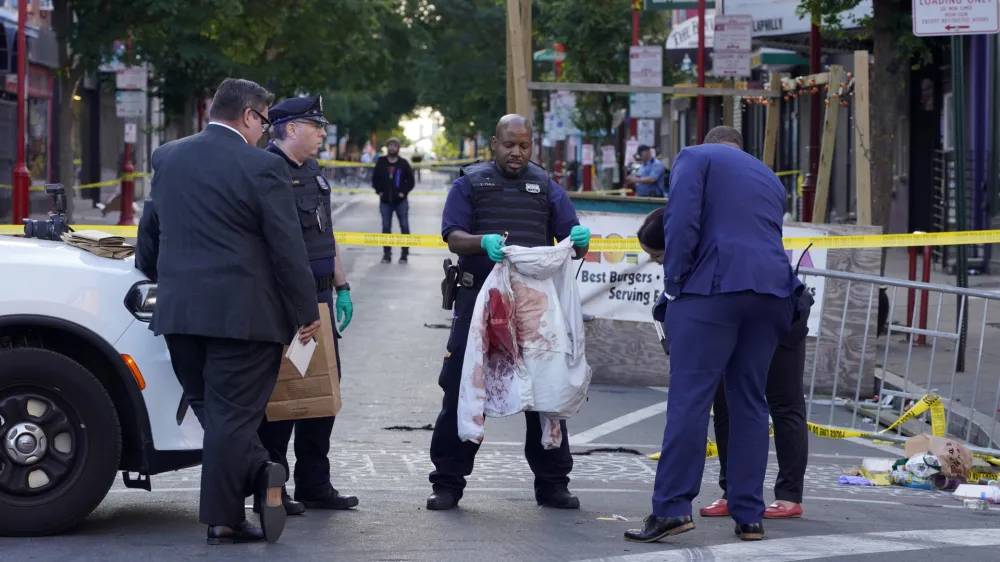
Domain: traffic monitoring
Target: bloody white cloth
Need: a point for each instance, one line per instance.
(526, 344)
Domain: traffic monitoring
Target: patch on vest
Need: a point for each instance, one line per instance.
(533, 188)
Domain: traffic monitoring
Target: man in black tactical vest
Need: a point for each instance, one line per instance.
(298, 129)
(509, 195)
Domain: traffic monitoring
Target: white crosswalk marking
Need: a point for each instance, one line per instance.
(817, 547)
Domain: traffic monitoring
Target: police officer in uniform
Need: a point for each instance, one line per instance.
(298, 129)
(510, 194)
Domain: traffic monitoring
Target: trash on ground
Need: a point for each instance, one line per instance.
(923, 465)
(855, 481)
(878, 471)
(954, 458)
(618, 517)
(910, 480)
(978, 492)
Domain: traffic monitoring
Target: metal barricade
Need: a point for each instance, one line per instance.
(895, 364)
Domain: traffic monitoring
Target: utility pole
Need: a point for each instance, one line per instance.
(21, 180)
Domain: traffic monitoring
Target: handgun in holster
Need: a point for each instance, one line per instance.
(449, 286)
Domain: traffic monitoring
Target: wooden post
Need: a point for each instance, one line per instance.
(771, 128)
(826, 148)
(517, 59)
(510, 73)
(862, 140)
(728, 117)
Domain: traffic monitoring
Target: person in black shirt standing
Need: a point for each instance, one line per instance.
(393, 181)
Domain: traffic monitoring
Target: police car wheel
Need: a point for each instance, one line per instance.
(60, 442)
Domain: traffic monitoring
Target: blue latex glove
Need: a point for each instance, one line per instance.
(580, 235)
(344, 308)
(493, 245)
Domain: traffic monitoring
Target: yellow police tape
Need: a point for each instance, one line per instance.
(107, 183)
(631, 244)
(435, 164)
(930, 402)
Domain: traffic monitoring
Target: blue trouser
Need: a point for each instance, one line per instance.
(402, 210)
(452, 457)
(732, 335)
(648, 190)
(312, 435)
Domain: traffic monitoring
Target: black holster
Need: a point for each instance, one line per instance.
(449, 286)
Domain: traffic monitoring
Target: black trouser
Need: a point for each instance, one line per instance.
(452, 457)
(786, 402)
(312, 438)
(227, 384)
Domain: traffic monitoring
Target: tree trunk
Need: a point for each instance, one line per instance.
(889, 76)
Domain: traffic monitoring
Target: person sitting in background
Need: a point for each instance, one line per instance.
(785, 400)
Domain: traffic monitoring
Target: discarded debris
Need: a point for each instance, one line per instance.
(438, 326)
(609, 450)
(427, 427)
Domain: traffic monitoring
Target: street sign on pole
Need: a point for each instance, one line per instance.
(945, 17)
(131, 132)
(131, 78)
(732, 45)
(646, 69)
(130, 104)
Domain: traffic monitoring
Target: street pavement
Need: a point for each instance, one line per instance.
(392, 355)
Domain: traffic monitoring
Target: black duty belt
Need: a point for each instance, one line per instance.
(324, 283)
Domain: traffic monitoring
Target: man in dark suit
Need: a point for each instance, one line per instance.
(223, 244)
(731, 287)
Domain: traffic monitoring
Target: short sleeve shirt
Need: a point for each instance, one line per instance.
(459, 215)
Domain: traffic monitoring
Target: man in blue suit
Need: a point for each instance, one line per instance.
(730, 286)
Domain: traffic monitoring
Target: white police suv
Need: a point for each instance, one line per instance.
(86, 390)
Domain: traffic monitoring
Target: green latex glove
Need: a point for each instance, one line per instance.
(493, 245)
(345, 309)
(580, 235)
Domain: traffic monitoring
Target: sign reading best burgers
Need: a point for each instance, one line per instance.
(626, 285)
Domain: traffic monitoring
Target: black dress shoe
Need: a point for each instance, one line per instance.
(327, 499)
(292, 507)
(658, 528)
(242, 533)
(442, 501)
(386, 259)
(402, 259)
(270, 483)
(561, 499)
(750, 532)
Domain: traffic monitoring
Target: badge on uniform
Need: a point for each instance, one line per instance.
(323, 184)
(533, 188)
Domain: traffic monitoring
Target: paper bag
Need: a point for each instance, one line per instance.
(955, 459)
(315, 395)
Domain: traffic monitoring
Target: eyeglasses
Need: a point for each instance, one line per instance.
(265, 123)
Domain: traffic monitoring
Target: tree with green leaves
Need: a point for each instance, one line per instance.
(460, 64)
(597, 40)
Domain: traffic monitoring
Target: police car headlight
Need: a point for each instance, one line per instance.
(141, 300)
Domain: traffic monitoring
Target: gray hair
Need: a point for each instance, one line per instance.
(236, 94)
(723, 134)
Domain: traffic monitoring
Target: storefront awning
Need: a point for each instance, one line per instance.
(776, 59)
(683, 39)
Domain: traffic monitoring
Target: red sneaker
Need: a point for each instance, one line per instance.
(778, 511)
(717, 509)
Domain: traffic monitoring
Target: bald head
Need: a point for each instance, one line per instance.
(512, 120)
(512, 143)
(725, 135)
